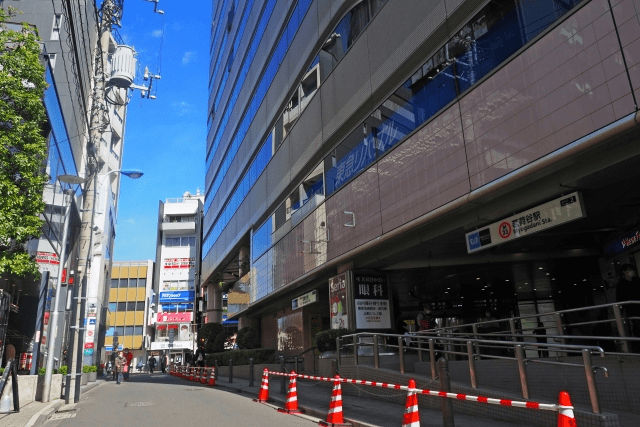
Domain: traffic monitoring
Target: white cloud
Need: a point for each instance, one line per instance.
(182, 108)
(187, 57)
(156, 33)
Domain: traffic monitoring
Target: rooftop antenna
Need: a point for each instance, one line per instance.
(155, 6)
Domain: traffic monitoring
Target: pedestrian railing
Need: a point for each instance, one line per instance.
(473, 348)
(608, 318)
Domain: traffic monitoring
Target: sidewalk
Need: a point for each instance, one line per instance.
(314, 397)
(36, 413)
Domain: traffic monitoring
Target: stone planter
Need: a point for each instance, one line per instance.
(92, 376)
(85, 378)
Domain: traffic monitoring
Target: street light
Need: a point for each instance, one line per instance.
(86, 235)
(73, 180)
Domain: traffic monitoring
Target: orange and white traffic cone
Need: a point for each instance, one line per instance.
(565, 411)
(263, 395)
(191, 373)
(203, 378)
(335, 417)
(212, 377)
(291, 404)
(411, 417)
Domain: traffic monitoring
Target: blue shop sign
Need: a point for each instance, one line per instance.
(177, 307)
(177, 296)
(622, 244)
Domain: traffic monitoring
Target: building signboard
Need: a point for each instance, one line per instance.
(559, 211)
(177, 296)
(163, 345)
(175, 317)
(306, 299)
(47, 258)
(178, 307)
(179, 263)
(371, 296)
(623, 243)
(338, 301)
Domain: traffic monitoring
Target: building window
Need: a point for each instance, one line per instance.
(142, 283)
(114, 283)
(140, 306)
(57, 24)
(123, 283)
(133, 283)
(122, 306)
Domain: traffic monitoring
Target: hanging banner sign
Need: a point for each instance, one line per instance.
(623, 243)
(556, 212)
(305, 299)
(338, 302)
(371, 296)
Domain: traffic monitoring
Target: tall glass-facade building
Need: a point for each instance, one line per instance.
(367, 158)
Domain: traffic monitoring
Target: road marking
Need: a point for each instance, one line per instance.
(139, 404)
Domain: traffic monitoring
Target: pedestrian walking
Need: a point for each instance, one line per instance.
(199, 357)
(152, 363)
(163, 363)
(120, 367)
(129, 357)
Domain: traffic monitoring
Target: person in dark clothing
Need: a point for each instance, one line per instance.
(188, 358)
(541, 338)
(199, 357)
(152, 364)
(113, 356)
(163, 363)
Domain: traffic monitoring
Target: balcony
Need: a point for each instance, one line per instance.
(184, 227)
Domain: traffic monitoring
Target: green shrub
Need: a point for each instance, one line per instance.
(247, 338)
(207, 334)
(241, 357)
(42, 371)
(326, 340)
(85, 369)
(218, 343)
(1, 371)
(63, 370)
(93, 368)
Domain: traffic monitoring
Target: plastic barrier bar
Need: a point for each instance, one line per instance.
(457, 396)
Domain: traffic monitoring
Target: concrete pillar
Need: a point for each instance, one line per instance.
(251, 322)
(214, 303)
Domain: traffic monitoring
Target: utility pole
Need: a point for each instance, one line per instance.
(99, 121)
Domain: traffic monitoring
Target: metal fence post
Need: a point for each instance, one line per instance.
(338, 350)
(522, 368)
(217, 369)
(445, 385)
(472, 365)
(617, 311)
(401, 353)
(251, 372)
(420, 352)
(560, 328)
(376, 353)
(230, 370)
(432, 358)
(355, 349)
(591, 381)
(283, 379)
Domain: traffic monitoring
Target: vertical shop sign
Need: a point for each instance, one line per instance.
(371, 295)
(338, 301)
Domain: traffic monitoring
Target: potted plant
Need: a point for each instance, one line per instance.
(93, 373)
(85, 375)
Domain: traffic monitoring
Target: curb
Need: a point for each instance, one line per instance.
(44, 416)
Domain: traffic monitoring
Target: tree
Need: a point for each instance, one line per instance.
(207, 335)
(23, 146)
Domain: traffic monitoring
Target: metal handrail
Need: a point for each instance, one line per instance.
(451, 344)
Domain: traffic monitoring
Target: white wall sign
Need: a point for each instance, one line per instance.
(553, 213)
(306, 299)
(372, 301)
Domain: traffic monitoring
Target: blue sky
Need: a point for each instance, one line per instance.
(165, 137)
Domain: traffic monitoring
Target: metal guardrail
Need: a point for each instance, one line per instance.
(11, 369)
(513, 325)
(471, 348)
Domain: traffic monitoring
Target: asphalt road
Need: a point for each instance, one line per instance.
(163, 400)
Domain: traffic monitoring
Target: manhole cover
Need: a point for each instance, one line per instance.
(139, 404)
(62, 416)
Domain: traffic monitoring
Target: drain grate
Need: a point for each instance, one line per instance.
(62, 416)
(139, 404)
